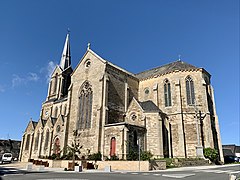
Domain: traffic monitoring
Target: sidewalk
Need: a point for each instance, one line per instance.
(197, 168)
(23, 166)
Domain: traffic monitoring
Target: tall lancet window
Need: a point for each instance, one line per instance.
(190, 91)
(46, 140)
(167, 93)
(36, 141)
(85, 106)
(27, 142)
(55, 83)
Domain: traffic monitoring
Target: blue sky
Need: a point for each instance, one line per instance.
(136, 35)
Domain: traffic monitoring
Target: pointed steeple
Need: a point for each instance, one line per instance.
(66, 57)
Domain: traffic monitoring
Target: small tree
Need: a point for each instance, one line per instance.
(211, 154)
(74, 147)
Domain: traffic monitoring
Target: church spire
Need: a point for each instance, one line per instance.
(66, 57)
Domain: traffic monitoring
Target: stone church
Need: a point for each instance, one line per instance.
(169, 110)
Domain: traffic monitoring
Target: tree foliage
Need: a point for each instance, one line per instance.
(211, 154)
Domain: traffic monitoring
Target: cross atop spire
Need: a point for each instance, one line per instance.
(179, 57)
(66, 57)
(88, 46)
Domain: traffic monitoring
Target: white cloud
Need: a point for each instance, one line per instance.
(32, 77)
(2, 89)
(17, 80)
(48, 70)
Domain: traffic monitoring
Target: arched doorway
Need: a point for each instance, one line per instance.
(56, 149)
(113, 146)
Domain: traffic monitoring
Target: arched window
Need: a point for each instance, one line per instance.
(113, 147)
(135, 139)
(190, 91)
(167, 93)
(56, 112)
(27, 142)
(56, 148)
(46, 140)
(65, 110)
(85, 106)
(50, 87)
(55, 83)
(36, 141)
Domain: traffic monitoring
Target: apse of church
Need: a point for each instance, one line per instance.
(170, 110)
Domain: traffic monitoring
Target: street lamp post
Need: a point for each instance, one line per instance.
(139, 155)
(199, 147)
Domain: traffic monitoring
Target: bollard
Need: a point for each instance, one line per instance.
(232, 177)
(107, 169)
(41, 168)
(78, 168)
(29, 166)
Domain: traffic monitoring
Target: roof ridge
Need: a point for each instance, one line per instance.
(167, 68)
(165, 65)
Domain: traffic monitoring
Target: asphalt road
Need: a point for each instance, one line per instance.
(219, 173)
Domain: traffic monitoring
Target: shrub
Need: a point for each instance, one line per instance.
(146, 155)
(211, 154)
(95, 156)
(113, 158)
(132, 155)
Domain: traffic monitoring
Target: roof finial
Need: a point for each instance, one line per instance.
(88, 46)
(179, 57)
(68, 30)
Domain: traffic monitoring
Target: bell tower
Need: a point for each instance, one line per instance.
(60, 79)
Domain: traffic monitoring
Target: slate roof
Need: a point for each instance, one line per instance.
(44, 122)
(54, 120)
(177, 65)
(34, 123)
(149, 106)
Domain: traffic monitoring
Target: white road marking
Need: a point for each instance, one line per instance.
(134, 173)
(178, 176)
(219, 171)
(156, 174)
(62, 179)
(145, 174)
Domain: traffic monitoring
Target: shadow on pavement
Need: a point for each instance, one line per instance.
(8, 170)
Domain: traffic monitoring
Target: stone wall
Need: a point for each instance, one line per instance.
(179, 114)
(157, 164)
(118, 133)
(124, 165)
(154, 138)
(94, 74)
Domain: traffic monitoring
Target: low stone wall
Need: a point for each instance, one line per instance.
(157, 165)
(60, 163)
(115, 165)
(190, 162)
(124, 165)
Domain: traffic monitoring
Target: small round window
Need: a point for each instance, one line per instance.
(146, 91)
(87, 63)
(133, 116)
(58, 128)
